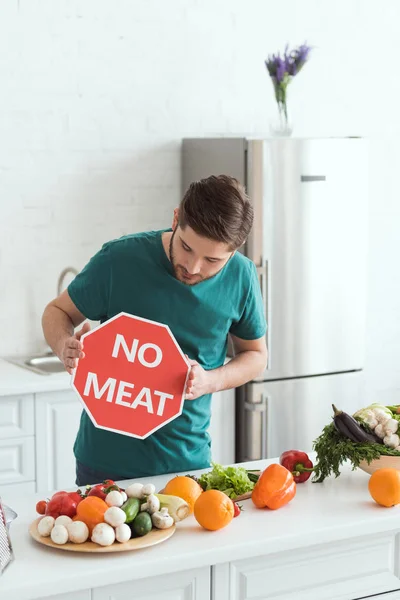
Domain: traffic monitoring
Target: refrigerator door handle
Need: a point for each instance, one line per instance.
(311, 178)
(261, 407)
(263, 276)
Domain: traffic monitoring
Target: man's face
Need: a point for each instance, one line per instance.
(196, 258)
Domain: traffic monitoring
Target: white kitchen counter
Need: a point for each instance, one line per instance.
(17, 380)
(320, 516)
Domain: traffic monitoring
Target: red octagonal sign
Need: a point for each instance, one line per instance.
(133, 377)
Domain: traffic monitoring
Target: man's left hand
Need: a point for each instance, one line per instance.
(200, 381)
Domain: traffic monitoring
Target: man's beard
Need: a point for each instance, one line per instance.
(180, 267)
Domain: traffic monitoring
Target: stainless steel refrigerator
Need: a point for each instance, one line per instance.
(309, 243)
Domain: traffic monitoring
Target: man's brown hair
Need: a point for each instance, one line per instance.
(218, 208)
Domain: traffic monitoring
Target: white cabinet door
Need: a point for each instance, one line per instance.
(17, 460)
(57, 422)
(366, 565)
(222, 427)
(187, 585)
(16, 416)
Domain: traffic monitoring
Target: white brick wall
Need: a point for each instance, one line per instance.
(95, 96)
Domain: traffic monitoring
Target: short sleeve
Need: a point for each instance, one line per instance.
(252, 324)
(90, 290)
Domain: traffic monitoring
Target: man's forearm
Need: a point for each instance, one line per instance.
(57, 327)
(241, 369)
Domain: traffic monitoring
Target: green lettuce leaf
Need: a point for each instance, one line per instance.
(233, 481)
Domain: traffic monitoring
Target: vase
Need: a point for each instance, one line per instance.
(281, 126)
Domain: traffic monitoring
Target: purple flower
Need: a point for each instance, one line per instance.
(291, 63)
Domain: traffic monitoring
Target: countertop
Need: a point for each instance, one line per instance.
(17, 380)
(335, 510)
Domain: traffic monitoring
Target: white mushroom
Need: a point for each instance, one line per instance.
(114, 516)
(391, 426)
(148, 489)
(381, 415)
(151, 505)
(103, 534)
(161, 519)
(63, 520)
(370, 419)
(392, 440)
(78, 532)
(124, 496)
(123, 533)
(45, 526)
(379, 431)
(59, 534)
(135, 490)
(114, 498)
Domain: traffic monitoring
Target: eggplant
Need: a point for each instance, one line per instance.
(350, 428)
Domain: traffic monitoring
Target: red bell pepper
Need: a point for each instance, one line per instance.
(298, 464)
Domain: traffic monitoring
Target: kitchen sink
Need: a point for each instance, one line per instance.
(43, 364)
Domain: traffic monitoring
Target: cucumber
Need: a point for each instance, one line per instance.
(142, 524)
(131, 508)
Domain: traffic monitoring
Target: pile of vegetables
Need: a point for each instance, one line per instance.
(370, 433)
(107, 513)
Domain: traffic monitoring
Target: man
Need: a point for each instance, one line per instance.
(192, 278)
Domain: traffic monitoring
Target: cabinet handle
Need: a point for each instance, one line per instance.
(310, 178)
(261, 407)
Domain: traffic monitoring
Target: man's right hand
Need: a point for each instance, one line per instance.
(73, 349)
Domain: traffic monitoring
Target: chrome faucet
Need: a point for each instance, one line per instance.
(62, 276)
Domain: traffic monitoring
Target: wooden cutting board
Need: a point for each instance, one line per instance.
(156, 536)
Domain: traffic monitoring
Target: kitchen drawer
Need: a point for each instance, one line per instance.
(9, 490)
(339, 571)
(17, 460)
(16, 416)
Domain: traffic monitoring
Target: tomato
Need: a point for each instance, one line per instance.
(99, 490)
(237, 510)
(76, 496)
(41, 507)
(61, 504)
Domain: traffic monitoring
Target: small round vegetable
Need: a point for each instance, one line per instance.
(103, 534)
(123, 533)
(63, 520)
(41, 507)
(124, 496)
(59, 534)
(135, 490)
(391, 426)
(45, 526)
(142, 524)
(78, 532)
(379, 431)
(161, 519)
(114, 516)
(114, 498)
(151, 505)
(148, 489)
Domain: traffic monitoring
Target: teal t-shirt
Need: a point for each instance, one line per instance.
(133, 274)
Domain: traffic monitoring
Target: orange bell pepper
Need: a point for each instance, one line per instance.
(274, 488)
(91, 511)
